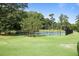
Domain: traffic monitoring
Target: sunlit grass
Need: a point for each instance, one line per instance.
(44, 45)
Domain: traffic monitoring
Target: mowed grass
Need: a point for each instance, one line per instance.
(39, 46)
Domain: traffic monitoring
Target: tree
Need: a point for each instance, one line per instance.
(63, 21)
(10, 16)
(77, 23)
(73, 26)
(31, 23)
(53, 19)
(46, 23)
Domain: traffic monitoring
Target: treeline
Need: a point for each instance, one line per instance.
(14, 18)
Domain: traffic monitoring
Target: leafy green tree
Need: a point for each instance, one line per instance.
(73, 26)
(10, 16)
(63, 19)
(46, 23)
(31, 23)
(53, 20)
(77, 23)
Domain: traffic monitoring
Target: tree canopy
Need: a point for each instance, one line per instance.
(13, 17)
(10, 15)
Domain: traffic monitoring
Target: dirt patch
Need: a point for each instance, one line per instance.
(68, 45)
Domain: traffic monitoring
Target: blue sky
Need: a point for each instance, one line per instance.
(69, 9)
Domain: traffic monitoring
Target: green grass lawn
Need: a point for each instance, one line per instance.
(39, 46)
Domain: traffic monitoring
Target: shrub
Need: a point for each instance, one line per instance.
(78, 48)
